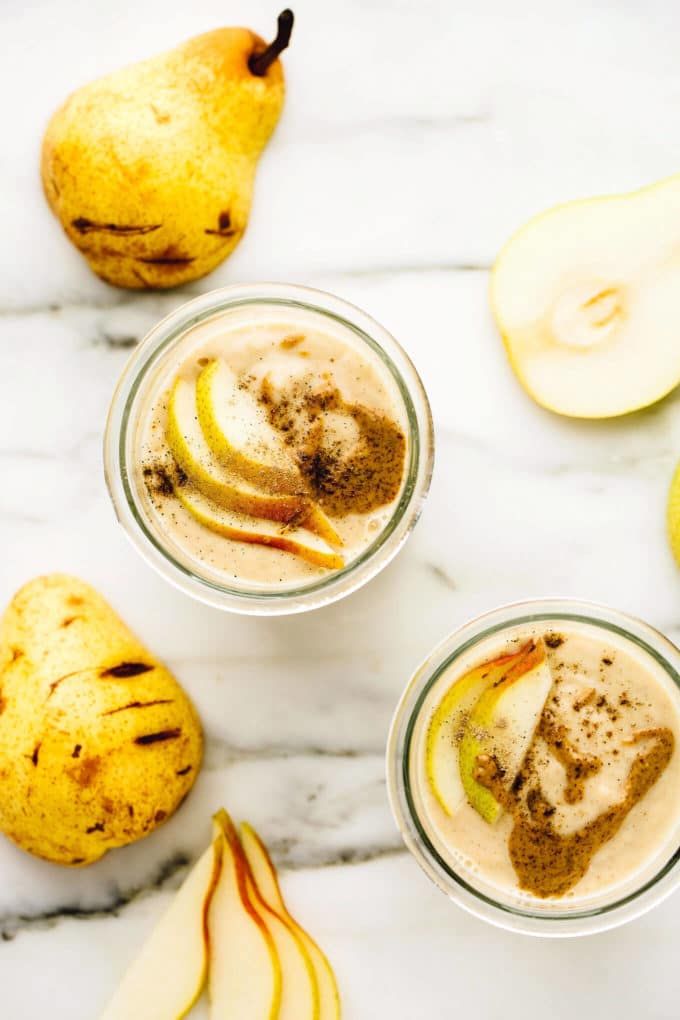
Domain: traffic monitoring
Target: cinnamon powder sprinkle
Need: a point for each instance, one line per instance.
(549, 863)
(343, 482)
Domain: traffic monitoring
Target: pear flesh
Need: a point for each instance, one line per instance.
(229, 918)
(168, 975)
(240, 528)
(264, 874)
(238, 433)
(586, 298)
(501, 727)
(150, 170)
(188, 446)
(447, 726)
(245, 969)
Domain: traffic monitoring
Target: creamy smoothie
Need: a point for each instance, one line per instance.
(271, 449)
(544, 765)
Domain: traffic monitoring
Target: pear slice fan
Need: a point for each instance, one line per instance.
(502, 725)
(240, 470)
(447, 728)
(229, 924)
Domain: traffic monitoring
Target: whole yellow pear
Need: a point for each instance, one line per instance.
(150, 169)
(99, 744)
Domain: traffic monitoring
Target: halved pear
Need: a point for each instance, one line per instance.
(266, 879)
(168, 975)
(238, 433)
(241, 528)
(501, 727)
(193, 455)
(447, 726)
(587, 299)
(245, 969)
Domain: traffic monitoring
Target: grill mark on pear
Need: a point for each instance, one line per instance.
(86, 226)
(224, 227)
(166, 260)
(138, 704)
(125, 670)
(122, 671)
(156, 738)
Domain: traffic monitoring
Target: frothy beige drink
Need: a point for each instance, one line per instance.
(544, 763)
(270, 451)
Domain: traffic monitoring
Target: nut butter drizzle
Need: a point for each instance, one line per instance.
(547, 862)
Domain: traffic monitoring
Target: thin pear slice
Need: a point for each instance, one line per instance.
(193, 455)
(168, 975)
(240, 528)
(448, 725)
(267, 882)
(501, 727)
(299, 989)
(245, 969)
(586, 297)
(238, 433)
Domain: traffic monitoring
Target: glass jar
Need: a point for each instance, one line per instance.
(624, 901)
(162, 345)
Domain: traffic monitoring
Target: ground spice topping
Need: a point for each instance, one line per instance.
(547, 862)
(343, 478)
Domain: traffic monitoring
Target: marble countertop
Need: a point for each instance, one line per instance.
(417, 135)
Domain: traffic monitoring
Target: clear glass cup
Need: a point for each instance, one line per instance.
(123, 421)
(650, 886)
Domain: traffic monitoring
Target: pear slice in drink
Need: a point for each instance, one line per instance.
(257, 531)
(448, 723)
(501, 727)
(190, 449)
(237, 431)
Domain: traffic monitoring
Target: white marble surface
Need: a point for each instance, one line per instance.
(417, 134)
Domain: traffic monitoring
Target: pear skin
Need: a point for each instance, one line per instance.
(99, 744)
(448, 723)
(150, 170)
(501, 726)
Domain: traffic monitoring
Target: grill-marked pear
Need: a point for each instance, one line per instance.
(150, 169)
(99, 744)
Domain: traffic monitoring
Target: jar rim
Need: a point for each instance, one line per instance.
(156, 345)
(481, 904)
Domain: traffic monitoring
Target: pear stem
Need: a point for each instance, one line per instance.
(259, 63)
